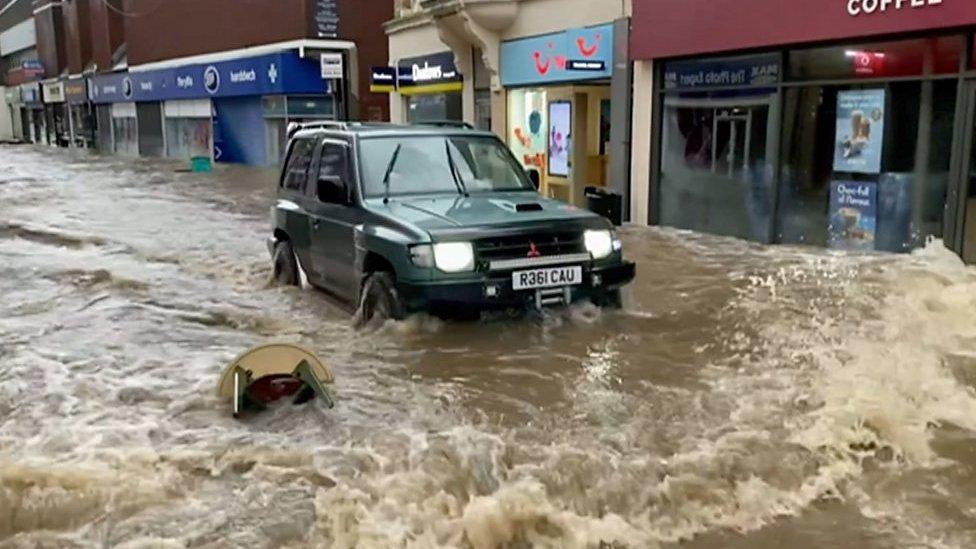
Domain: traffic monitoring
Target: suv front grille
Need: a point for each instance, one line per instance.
(521, 246)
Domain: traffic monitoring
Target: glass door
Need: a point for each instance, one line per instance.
(717, 164)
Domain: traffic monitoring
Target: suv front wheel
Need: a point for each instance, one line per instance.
(379, 300)
(285, 264)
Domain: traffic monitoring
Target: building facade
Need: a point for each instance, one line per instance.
(556, 89)
(20, 64)
(847, 123)
(212, 78)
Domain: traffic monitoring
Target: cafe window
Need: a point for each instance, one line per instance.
(912, 138)
(918, 57)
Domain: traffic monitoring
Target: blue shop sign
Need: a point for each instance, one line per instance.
(273, 74)
(754, 70)
(571, 55)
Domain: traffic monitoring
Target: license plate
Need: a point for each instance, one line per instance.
(547, 278)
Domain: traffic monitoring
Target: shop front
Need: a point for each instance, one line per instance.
(559, 108)
(81, 124)
(15, 106)
(55, 113)
(431, 87)
(231, 111)
(32, 113)
(815, 138)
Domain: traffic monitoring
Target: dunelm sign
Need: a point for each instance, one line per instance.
(429, 74)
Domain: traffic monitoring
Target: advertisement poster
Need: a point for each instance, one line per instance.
(853, 215)
(560, 137)
(860, 131)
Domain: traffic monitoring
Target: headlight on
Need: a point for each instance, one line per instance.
(598, 243)
(454, 257)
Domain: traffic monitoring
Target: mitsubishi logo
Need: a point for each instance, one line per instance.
(273, 73)
(534, 250)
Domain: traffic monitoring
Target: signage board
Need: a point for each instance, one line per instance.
(853, 215)
(571, 55)
(53, 92)
(664, 29)
(860, 131)
(30, 93)
(327, 18)
(76, 91)
(272, 74)
(859, 8)
(383, 80)
(753, 70)
(12, 95)
(429, 74)
(331, 66)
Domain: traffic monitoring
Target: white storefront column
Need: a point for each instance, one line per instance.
(642, 137)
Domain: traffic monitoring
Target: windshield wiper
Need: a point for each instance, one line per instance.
(389, 171)
(455, 172)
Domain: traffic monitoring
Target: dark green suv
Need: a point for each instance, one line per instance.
(435, 217)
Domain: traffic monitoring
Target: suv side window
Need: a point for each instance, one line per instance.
(296, 169)
(333, 177)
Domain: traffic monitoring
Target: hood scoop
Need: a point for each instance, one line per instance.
(520, 207)
(528, 207)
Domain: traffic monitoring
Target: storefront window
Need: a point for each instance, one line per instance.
(906, 187)
(921, 57)
(311, 107)
(274, 106)
(188, 137)
(715, 174)
(125, 129)
(438, 106)
(528, 127)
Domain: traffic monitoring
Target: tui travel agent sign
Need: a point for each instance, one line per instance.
(571, 55)
(273, 74)
(429, 74)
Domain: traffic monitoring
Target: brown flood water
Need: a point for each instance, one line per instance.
(746, 397)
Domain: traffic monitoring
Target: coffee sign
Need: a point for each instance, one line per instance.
(868, 7)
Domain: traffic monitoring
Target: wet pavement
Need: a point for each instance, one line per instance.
(747, 396)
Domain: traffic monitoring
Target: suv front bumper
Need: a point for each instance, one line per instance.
(495, 291)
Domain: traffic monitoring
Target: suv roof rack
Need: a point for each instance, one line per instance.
(296, 127)
(446, 124)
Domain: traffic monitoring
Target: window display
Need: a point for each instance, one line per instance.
(528, 128)
(560, 138)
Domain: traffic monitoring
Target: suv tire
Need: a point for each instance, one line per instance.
(608, 299)
(379, 300)
(285, 265)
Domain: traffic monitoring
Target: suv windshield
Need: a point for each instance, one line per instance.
(438, 164)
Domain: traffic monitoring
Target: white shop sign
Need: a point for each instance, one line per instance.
(868, 7)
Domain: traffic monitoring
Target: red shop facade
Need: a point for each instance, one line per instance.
(842, 123)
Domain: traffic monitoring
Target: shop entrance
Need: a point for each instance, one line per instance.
(561, 134)
(716, 154)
